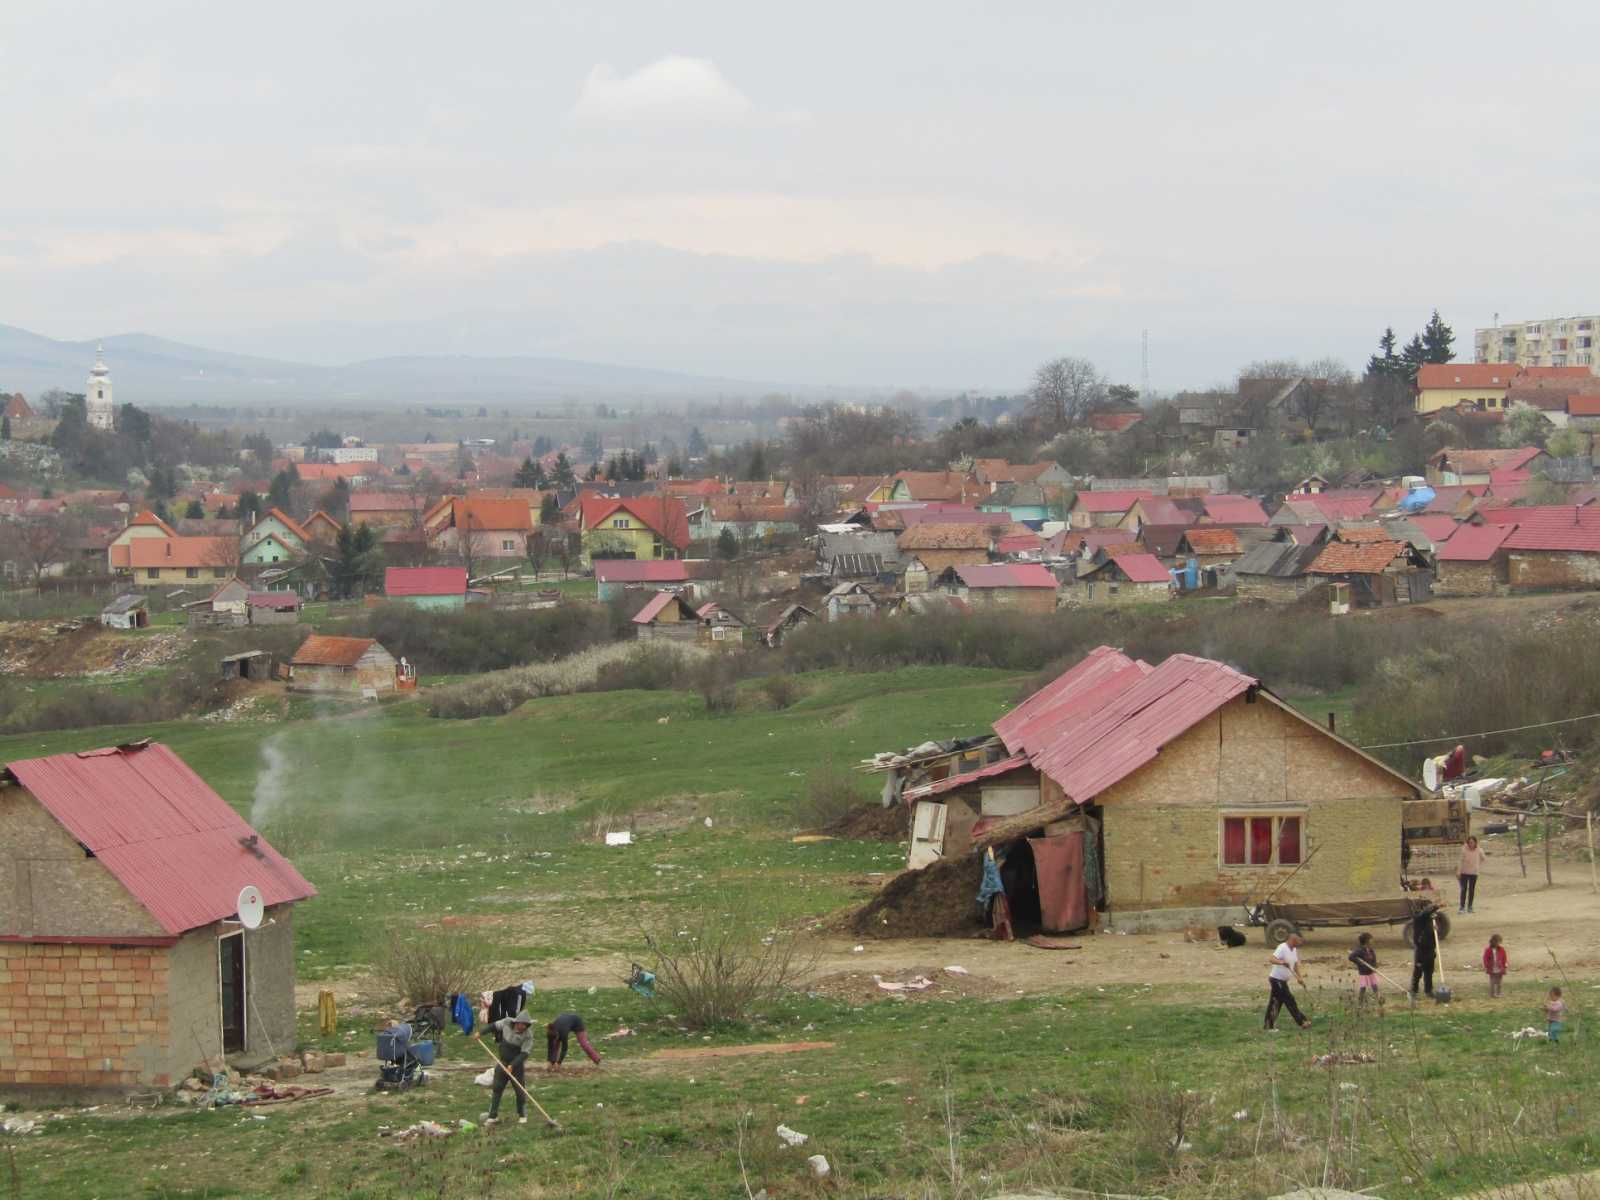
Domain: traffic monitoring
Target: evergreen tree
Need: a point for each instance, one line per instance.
(566, 479)
(1414, 356)
(195, 511)
(1386, 362)
(727, 544)
(758, 463)
(358, 561)
(5, 429)
(697, 443)
(549, 509)
(1437, 339)
(282, 487)
(249, 505)
(528, 475)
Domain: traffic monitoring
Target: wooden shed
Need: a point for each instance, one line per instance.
(348, 665)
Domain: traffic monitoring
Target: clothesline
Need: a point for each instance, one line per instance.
(1465, 737)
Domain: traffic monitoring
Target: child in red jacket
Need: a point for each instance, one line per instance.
(1494, 963)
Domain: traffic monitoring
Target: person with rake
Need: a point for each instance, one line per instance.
(513, 1043)
(1285, 966)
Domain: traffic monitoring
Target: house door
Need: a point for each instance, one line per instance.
(230, 970)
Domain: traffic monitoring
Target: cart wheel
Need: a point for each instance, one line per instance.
(1279, 929)
(1410, 935)
(1442, 923)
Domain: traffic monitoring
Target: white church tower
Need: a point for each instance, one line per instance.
(97, 399)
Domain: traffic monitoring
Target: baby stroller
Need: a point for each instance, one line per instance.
(400, 1060)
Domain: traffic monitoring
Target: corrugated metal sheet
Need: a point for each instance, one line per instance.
(1024, 727)
(655, 606)
(425, 581)
(1002, 767)
(1573, 528)
(1234, 510)
(1474, 543)
(640, 570)
(161, 831)
(1142, 568)
(1112, 740)
(1006, 575)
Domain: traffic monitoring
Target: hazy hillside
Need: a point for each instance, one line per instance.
(153, 370)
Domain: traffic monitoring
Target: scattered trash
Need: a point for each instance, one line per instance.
(819, 1166)
(1242, 1115)
(957, 971)
(1348, 1087)
(485, 1079)
(619, 838)
(20, 1126)
(421, 1129)
(708, 822)
(619, 1032)
(857, 949)
(1527, 1031)
(466, 1126)
(1341, 1060)
(920, 984)
(791, 1138)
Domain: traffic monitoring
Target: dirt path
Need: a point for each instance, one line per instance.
(1529, 915)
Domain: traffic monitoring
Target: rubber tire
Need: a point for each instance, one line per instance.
(1279, 929)
(1442, 922)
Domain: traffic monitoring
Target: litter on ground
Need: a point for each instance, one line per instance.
(792, 1137)
(920, 984)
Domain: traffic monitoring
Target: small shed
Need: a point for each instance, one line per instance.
(666, 615)
(344, 665)
(227, 605)
(254, 665)
(776, 619)
(120, 938)
(720, 626)
(127, 611)
(1378, 571)
(1276, 571)
(1029, 587)
(273, 608)
(850, 599)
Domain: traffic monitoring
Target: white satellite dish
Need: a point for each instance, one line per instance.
(251, 907)
(1430, 773)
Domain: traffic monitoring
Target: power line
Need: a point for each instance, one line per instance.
(1464, 737)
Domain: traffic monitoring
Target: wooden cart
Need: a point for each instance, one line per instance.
(1281, 920)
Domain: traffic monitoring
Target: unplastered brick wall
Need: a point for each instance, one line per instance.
(85, 1015)
(1553, 569)
(1468, 578)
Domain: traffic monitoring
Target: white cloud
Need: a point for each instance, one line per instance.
(674, 89)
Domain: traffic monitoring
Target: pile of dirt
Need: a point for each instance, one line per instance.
(938, 901)
(861, 987)
(871, 823)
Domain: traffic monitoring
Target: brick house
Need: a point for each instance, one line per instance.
(1472, 561)
(1552, 547)
(1119, 579)
(1276, 571)
(1379, 571)
(1188, 789)
(342, 664)
(123, 963)
(666, 616)
(939, 545)
(1027, 587)
(1101, 510)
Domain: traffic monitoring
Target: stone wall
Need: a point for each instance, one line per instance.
(1469, 578)
(1271, 588)
(1552, 569)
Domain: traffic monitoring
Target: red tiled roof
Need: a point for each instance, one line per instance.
(1348, 558)
(145, 552)
(1437, 527)
(166, 837)
(1006, 575)
(940, 485)
(425, 581)
(1019, 543)
(746, 508)
(1142, 568)
(286, 521)
(1113, 737)
(478, 515)
(320, 472)
(1466, 375)
(1583, 406)
(1114, 422)
(1557, 373)
(1207, 540)
(149, 518)
(939, 536)
(1482, 462)
(1473, 543)
(640, 570)
(665, 515)
(323, 650)
(1234, 510)
(1108, 502)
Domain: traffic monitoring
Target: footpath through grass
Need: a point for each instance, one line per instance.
(1120, 1089)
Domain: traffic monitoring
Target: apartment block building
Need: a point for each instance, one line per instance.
(1557, 342)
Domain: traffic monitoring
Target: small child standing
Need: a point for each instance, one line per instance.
(1365, 959)
(1555, 1014)
(1494, 963)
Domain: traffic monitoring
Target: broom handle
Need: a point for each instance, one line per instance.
(495, 1058)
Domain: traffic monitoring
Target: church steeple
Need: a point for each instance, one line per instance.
(97, 397)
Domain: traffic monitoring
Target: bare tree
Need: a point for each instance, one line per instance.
(1064, 390)
(41, 542)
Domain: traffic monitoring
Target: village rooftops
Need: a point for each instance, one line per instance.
(172, 842)
(1204, 539)
(147, 552)
(323, 650)
(655, 606)
(1466, 375)
(1474, 543)
(937, 536)
(1355, 558)
(1482, 462)
(1277, 560)
(425, 581)
(365, 502)
(478, 515)
(1234, 510)
(1142, 568)
(1108, 502)
(150, 519)
(1569, 527)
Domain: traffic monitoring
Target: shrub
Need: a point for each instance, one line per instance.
(716, 679)
(780, 690)
(723, 963)
(830, 792)
(479, 638)
(423, 966)
(599, 668)
(647, 667)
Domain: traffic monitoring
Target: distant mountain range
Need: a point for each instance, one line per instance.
(154, 371)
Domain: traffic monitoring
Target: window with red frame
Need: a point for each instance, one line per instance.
(1264, 840)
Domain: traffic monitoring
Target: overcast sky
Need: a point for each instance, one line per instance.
(918, 194)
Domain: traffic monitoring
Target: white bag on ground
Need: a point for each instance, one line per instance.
(486, 1079)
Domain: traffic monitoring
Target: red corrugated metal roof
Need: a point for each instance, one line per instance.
(1107, 502)
(1439, 527)
(640, 570)
(425, 581)
(166, 837)
(1555, 527)
(1159, 510)
(653, 608)
(1142, 568)
(1006, 575)
(1473, 543)
(1115, 739)
(1234, 510)
(1002, 767)
(1103, 672)
(277, 601)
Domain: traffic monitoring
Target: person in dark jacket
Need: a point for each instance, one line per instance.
(509, 1001)
(513, 1044)
(556, 1034)
(1365, 960)
(1424, 949)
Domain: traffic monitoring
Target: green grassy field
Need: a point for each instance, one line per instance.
(399, 818)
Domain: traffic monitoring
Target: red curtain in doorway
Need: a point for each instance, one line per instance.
(1063, 902)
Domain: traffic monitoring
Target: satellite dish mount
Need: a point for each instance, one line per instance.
(251, 907)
